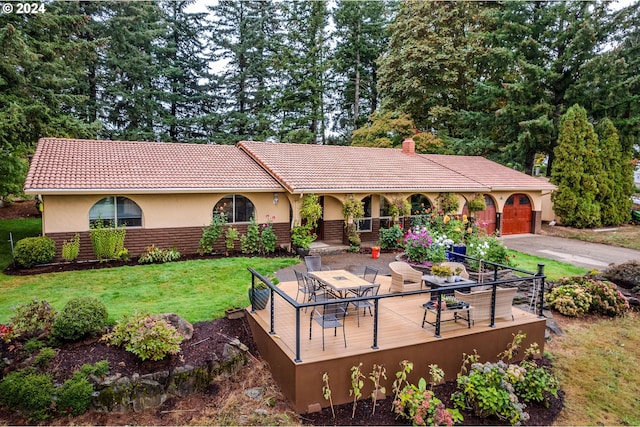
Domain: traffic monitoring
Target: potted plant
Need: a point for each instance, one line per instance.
(259, 294)
(441, 272)
(301, 239)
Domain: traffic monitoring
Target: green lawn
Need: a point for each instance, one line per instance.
(554, 270)
(19, 229)
(196, 290)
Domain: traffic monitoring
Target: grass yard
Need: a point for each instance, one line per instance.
(554, 270)
(196, 290)
(597, 364)
(19, 229)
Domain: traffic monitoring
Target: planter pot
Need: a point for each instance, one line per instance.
(450, 279)
(458, 249)
(302, 252)
(234, 313)
(259, 298)
(439, 280)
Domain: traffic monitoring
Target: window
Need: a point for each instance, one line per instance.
(236, 208)
(116, 211)
(364, 223)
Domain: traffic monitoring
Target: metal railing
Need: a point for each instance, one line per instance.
(537, 283)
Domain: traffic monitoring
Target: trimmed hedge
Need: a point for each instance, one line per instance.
(31, 251)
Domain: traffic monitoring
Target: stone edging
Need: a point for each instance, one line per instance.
(117, 393)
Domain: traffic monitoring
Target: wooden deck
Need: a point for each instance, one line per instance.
(400, 336)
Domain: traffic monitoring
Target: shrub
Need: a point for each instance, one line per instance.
(32, 345)
(422, 407)
(487, 391)
(28, 392)
(250, 242)
(488, 248)
(145, 336)
(391, 238)
(44, 357)
(80, 317)
(108, 242)
(74, 395)
(570, 299)
(533, 383)
(154, 254)
(34, 250)
(33, 319)
(211, 233)
(577, 296)
(268, 237)
(6, 333)
(71, 248)
(98, 369)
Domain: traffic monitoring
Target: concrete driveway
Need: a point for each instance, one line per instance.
(582, 254)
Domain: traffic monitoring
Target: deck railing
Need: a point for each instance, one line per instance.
(537, 285)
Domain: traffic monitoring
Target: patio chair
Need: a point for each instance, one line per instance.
(404, 278)
(480, 302)
(330, 315)
(365, 304)
(370, 274)
(309, 287)
(314, 263)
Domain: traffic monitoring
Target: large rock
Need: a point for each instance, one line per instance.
(185, 329)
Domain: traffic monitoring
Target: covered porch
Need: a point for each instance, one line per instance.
(392, 334)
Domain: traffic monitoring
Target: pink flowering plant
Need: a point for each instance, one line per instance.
(421, 247)
(422, 407)
(577, 296)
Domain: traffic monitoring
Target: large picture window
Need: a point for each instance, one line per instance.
(236, 208)
(116, 211)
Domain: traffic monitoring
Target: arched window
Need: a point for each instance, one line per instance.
(116, 211)
(236, 208)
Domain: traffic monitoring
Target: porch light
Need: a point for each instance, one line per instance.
(275, 198)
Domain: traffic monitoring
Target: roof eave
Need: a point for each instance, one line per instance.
(83, 191)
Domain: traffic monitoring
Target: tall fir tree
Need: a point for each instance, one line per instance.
(615, 177)
(184, 77)
(429, 70)
(577, 164)
(130, 76)
(40, 69)
(243, 34)
(302, 68)
(360, 37)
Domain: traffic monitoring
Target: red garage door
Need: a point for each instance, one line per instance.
(516, 218)
(486, 218)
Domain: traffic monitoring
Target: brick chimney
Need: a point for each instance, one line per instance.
(409, 146)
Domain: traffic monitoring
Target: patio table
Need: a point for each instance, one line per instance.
(341, 281)
(431, 282)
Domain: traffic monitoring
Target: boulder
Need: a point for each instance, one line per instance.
(185, 329)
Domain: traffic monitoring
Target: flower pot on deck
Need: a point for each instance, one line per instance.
(259, 298)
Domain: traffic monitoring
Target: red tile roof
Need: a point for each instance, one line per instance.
(332, 168)
(491, 174)
(81, 166)
(88, 166)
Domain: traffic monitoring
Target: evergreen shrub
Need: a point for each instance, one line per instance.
(80, 317)
(31, 251)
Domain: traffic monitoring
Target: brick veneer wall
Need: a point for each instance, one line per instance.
(185, 239)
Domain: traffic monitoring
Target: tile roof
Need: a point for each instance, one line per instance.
(319, 168)
(81, 166)
(489, 173)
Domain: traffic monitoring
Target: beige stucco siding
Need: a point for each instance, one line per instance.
(71, 213)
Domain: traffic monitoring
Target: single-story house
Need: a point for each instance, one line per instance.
(165, 193)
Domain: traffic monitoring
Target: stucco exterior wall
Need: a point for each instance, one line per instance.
(71, 213)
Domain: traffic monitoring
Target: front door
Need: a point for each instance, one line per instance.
(516, 218)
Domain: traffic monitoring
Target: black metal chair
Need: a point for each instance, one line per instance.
(329, 315)
(314, 263)
(365, 304)
(309, 287)
(370, 274)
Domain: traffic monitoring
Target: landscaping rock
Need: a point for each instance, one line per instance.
(185, 329)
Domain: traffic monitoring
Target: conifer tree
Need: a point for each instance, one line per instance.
(577, 164)
(615, 178)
